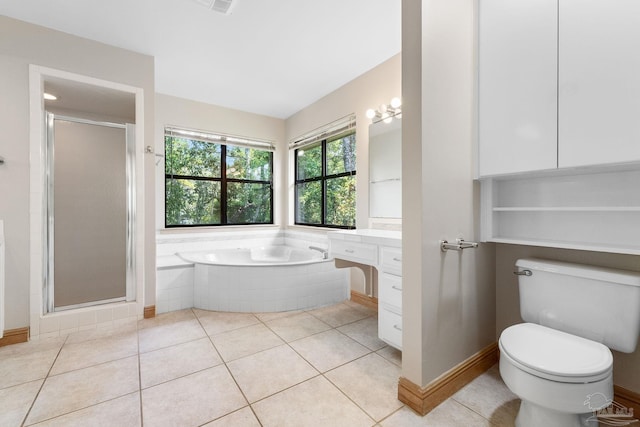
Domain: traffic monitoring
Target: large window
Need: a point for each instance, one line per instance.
(326, 183)
(216, 180)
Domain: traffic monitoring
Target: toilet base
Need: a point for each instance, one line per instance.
(532, 415)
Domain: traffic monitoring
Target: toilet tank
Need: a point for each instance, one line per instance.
(601, 304)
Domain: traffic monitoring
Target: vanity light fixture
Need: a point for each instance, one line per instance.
(386, 113)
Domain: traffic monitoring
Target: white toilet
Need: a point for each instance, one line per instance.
(559, 362)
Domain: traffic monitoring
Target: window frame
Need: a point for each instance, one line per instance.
(223, 180)
(323, 178)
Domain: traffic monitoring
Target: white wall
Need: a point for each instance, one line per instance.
(22, 44)
(376, 86)
(448, 298)
(179, 112)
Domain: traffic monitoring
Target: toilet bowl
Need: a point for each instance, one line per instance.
(560, 378)
(559, 361)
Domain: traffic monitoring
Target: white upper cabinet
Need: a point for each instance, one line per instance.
(599, 82)
(517, 85)
(559, 84)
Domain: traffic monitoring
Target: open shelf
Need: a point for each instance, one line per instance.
(586, 211)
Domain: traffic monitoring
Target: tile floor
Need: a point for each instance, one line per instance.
(323, 367)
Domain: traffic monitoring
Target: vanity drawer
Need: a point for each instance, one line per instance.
(363, 253)
(390, 289)
(390, 327)
(391, 259)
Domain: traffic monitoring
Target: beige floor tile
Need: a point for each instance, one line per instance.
(328, 350)
(168, 334)
(242, 418)
(270, 371)
(21, 367)
(371, 382)
(490, 397)
(267, 317)
(448, 414)
(391, 354)
(122, 411)
(31, 347)
(217, 322)
(176, 361)
(192, 400)
(167, 318)
(313, 403)
(101, 333)
(245, 341)
(339, 314)
(15, 402)
(79, 389)
(368, 311)
(364, 331)
(88, 353)
(301, 325)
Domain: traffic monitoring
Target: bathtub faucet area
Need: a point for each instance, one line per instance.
(324, 252)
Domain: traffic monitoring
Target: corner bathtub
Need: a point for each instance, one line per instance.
(265, 279)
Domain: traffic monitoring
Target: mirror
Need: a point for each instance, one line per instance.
(385, 169)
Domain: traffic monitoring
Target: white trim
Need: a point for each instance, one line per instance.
(56, 323)
(343, 124)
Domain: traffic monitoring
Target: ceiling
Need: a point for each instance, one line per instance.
(270, 58)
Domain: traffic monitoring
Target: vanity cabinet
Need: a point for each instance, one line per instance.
(381, 249)
(558, 84)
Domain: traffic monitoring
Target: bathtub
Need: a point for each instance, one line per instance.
(265, 279)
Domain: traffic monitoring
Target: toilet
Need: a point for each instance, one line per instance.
(559, 362)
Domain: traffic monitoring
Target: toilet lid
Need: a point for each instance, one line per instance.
(555, 353)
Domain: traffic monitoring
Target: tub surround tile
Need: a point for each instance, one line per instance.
(371, 382)
(79, 389)
(215, 323)
(245, 341)
(270, 371)
(124, 411)
(88, 353)
(298, 326)
(166, 335)
(242, 418)
(176, 361)
(194, 400)
(364, 331)
(328, 350)
(315, 402)
(15, 402)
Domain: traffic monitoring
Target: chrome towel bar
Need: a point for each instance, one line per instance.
(457, 246)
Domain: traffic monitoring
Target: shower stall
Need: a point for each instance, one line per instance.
(90, 213)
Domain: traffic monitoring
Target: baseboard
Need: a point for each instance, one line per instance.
(424, 399)
(150, 312)
(14, 336)
(362, 299)
(627, 398)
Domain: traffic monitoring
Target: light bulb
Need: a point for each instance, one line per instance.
(395, 102)
(371, 113)
(50, 97)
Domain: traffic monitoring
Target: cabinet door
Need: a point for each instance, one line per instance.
(599, 82)
(517, 109)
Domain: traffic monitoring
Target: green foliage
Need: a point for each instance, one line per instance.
(194, 183)
(339, 190)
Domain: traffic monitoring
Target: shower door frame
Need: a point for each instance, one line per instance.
(48, 299)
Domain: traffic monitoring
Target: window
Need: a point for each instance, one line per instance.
(325, 187)
(216, 180)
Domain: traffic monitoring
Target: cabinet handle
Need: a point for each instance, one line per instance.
(396, 288)
(396, 259)
(349, 251)
(399, 328)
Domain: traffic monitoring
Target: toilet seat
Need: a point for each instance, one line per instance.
(555, 355)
